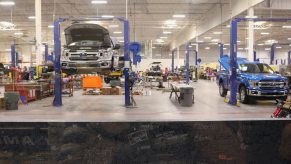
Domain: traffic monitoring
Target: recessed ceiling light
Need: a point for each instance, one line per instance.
(99, 2)
(286, 26)
(50, 26)
(117, 32)
(167, 32)
(107, 16)
(164, 37)
(217, 32)
(31, 17)
(113, 26)
(265, 33)
(278, 47)
(227, 26)
(7, 3)
(207, 48)
(18, 33)
(179, 16)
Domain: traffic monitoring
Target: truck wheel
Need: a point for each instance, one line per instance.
(243, 97)
(222, 90)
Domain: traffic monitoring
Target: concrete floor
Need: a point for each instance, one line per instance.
(209, 106)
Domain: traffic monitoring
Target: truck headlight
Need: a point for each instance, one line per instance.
(253, 83)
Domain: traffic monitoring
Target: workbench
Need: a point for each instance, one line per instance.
(32, 90)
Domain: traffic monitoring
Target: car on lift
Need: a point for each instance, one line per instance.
(88, 49)
(255, 81)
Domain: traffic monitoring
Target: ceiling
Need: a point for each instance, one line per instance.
(148, 18)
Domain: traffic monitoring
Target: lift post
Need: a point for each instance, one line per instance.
(187, 63)
(289, 57)
(255, 55)
(57, 50)
(46, 53)
(221, 52)
(13, 55)
(173, 60)
(233, 52)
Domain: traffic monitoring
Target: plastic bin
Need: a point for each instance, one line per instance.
(186, 96)
(11, 100)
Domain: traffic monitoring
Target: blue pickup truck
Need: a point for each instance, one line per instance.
(255, 81)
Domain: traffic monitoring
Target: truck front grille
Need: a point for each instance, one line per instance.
(271, 85)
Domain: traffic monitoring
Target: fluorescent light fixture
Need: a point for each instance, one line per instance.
(167, 32)
(160, 40)
(215, 40)
(260, 44)
(289, 39)
(240, 48)
(117, 32)
(164, 37)
(246, 48)
(31, 17)
(227, 26)
(93, 22)
(7, 3)
(207, 37)
(194, 44)
(18, 33)
(179, 16)
(107, 16)
(190, 46)
(207, 48)
(8, 50)
(278, 47)
(286, 26)
(251, 16)
(267, 49)
(200, 41)
(99, 2)
(113, 26)
(153, 47)
(224, 48)
(226, 44)
(121, 41)
(50, 26)
(238, 41)
(217, 32)
(265, 33)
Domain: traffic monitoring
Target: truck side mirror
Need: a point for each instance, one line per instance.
(116, 47)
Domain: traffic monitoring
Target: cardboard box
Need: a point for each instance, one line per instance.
(106, 90)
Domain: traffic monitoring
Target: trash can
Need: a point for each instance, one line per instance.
(11, 100)
(186, 96)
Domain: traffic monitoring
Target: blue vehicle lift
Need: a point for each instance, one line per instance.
(173, 59)
(273, 51)
(57, 50)
(233, 52)
(289, 57)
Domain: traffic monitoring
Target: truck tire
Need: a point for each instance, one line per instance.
(222, 90)
(243, 97)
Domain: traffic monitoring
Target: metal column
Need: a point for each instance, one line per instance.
(255, 55)
(187, 63)
(13, 51)
(272, 56)
(233, 63)
(221, 46)
(57, 63)
(46, 53)
(16, 59)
